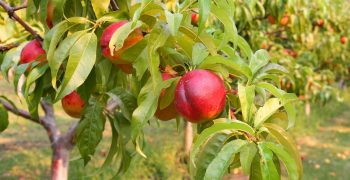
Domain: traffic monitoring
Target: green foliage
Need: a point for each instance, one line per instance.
(90, 128)
(226, 41)
(4, 119)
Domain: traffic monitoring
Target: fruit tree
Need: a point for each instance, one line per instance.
(233, 69)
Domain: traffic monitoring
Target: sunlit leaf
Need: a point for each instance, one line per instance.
(81, 60)
(218, 167)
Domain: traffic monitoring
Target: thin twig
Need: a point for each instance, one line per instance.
(114, 5)
(18, 112)
(47, 121)
(19, 7)
(7, 47)
(11, 12)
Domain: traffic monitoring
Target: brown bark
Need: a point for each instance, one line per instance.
(307, 108)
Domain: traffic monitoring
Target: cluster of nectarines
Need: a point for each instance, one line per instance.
(283, 21)
(200, 95)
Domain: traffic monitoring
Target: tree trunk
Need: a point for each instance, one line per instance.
(60, 160)
(188, 137)
(307, 108)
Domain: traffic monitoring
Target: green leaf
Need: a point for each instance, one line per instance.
(269, 108)
(268, 168)
(203, 38)
(119, 36)
(247, 155)
(174, 21)
(287, 141)
(258, 60)
(114, 148)
(90, 128)
(157, 39)
(11, 58)
(43, 8)
(4, 118)
(33, 98)
(246, 96)
(100, 7)
(216, 128)
(126, 101)
(140, 64)
(199, 53)
(275, 68)
(62, 53)
(118, 157)
(209, 151)
(53, 37)
(279, 94)
(34, 75)
(81, 60)
(218, 167)
(255, 170)
(234, 66)
(228, 22)
(147, 106)
(58, 6)
(19, 71)
(244, 47)
(103, 72)
(168, 97)
(285, 157)
(204, 10)
(133, 53)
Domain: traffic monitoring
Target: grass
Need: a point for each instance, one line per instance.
(323, 140)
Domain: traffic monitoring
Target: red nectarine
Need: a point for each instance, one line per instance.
(73, 105)
(200, 95)
(32, 52)
(131, 40)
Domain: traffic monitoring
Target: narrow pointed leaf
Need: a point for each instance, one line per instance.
(218, 167)
(81, 60)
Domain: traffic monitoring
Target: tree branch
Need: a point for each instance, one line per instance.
(49, 122)
(7, 47)
(114, 5)
(18, 112)
(68, 138)
(11, 12)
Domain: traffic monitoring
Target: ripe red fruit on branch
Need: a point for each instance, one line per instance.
(168, 112)
(284, 21)
(343, 39)
(194, 18)
(320, 22)
(264, 45)
(133, 38)
(200, 95)
(32, 52)
(73, 105)
(271, 19)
